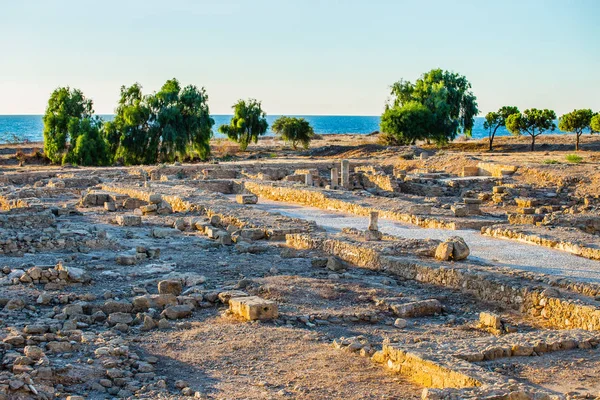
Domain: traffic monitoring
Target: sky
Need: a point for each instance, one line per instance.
(300, 57)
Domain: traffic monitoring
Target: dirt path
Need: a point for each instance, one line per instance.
(497, 252)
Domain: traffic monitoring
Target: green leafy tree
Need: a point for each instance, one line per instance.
(533, 122)
(496, 119)
(408, 123)
(64, 106)
(577, 122)
(294, 130)
(128, 134)
(88, 147)
(448, 97)
(173, 123)
(595, 123)
(248, 123)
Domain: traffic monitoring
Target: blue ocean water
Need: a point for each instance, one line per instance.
(30, 127)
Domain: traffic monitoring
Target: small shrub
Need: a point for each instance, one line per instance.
(549, 161)
(574, 158)
(20, 156)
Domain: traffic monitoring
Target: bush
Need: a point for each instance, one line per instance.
(549, 161)
(574, 158)
(294, 131)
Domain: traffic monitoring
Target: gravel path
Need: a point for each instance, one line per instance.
(498, 252)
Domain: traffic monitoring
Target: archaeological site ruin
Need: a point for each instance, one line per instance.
(327, 274)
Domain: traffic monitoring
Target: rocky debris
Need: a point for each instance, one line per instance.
(355, 344)
(52, 276)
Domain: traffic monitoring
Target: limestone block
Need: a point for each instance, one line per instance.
(129, 220)
(470, 171)
(246, 199)
(459, 210)
(110, 206)
(155, 199)
(490, 320)
(170, 286)
(460, 249)
(253, 308)
(444, 251)
(417, 308)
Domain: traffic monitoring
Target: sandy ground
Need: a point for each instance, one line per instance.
(497, 252)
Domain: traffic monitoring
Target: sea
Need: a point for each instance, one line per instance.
(21, 128)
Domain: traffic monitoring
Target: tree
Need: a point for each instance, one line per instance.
(294, 130)
(534, 122)
(408, 123)
(448, 97)
(88, 146)
(248, 123)
(576, 121)
(496, 119)
(171, 124)
(595, 124)
(64, 106)
(128, 135)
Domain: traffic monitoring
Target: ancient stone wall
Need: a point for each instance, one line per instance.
(528, 297)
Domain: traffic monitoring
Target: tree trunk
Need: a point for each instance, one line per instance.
(577, 142)
(532, 143)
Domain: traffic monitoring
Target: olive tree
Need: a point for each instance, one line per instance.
(577, 122)
(496, 119)
(294, 131)
(248, 123)
(533, 122)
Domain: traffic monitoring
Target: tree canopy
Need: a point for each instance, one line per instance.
(447, 96)
(66, 107)
(496, 119)
(577, 121)
(294, 130)
(170, 124)
(408, 123)
(248, 123)
(595, 124)
(88, 147)
(533, 122)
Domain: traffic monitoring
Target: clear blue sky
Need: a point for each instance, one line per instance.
(300, 56)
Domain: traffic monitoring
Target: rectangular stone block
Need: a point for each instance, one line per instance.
(253, 308)
(417, 308)
(246, 198)
(460, 210)
(470, 171)
(129, 220)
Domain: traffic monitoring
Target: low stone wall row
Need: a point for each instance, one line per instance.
(211, 204)
(535, 299)
(315, 198)
(38, 220)
(578, 249)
